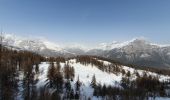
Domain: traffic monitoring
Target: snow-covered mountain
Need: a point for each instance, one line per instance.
(139, 43)
(41, 46)
(136, 51)
(142, 53)
(110, 46)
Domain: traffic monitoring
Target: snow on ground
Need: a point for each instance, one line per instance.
(85, 74)
(20, 88)
(132, 70)
(105, 62)
(145, 55)
(160, 98)
(42, 77)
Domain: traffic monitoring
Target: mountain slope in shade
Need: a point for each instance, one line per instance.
(136, 52)
(142, 53)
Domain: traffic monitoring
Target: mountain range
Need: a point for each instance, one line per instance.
(137, 52)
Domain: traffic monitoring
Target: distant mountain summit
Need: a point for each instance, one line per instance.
(142, 53)
(40, 46)
(136, 51)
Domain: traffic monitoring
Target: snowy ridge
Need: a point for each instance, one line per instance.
(39, 45)
(116, 44)
(13, 40)
(137, 51)
(28, 43)
(113, 45)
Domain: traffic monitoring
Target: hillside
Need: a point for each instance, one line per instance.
(85, 74)
(79, 74)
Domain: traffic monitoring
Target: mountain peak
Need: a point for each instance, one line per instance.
(116, 44)
(138, 42)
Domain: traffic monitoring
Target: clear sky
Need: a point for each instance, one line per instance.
(87, 21)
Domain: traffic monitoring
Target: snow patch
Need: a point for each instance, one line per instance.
(168, 53)
(43, 69)
(52, 46)
(145, 55)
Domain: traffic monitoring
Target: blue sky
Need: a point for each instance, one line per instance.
(87, 21)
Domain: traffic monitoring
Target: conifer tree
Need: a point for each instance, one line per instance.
(78, 84)
(51, 74)
(128, 74)
(93, 82)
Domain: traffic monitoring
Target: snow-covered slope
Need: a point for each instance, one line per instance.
(86, 72)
